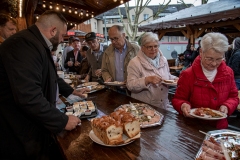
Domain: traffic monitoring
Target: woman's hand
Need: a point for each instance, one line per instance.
(223, 109)
(153, 80)
(186, 110)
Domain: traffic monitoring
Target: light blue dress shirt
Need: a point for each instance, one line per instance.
(119, 63)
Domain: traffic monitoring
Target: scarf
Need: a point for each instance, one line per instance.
(154, 62)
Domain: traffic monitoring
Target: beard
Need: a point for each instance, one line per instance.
(55, 41)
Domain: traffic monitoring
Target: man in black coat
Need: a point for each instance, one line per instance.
(29, 87)
(74, 57)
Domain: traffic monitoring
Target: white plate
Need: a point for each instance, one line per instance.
(89, 84)
(207, 117)
(170, 84)
(98, 141)
(67, 80)
(115, 83)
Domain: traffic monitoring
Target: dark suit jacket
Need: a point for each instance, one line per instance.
(28, 84)
(71, 55)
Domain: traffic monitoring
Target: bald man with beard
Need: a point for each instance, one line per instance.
(29, 88)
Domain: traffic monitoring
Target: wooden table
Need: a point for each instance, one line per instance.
(176, 67)
(177, 138)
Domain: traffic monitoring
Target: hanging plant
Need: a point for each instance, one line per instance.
(9, 7)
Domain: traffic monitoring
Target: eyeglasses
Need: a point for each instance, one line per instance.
(210, 60)
(92, 42)
(151, 47)
(115, 39)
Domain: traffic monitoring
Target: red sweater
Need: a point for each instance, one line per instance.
(197, 91)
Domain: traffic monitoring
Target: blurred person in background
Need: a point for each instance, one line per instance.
(73, 59)
(66, 50)
(179, 62)
(147, 70)
(209, 82)
(8, 27)
(84, 65)
(234, 61)
(228, 54)
(189, 55)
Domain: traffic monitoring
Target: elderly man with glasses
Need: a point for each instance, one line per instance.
(94, 57)
(117, 56)
(209, 82)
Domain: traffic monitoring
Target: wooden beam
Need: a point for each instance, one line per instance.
(30, 8)
(200, 32)
(185, 34)
(189, 29)
(237, 26)
(161, 34)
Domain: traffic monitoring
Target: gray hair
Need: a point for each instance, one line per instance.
(148, 37)
(215, 41)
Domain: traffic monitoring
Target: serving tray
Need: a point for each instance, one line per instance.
(142, 116)
(228, 137)
(92, 115)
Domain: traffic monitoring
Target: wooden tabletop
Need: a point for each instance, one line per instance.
(176, 67)
(177, 138)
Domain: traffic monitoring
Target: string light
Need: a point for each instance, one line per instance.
(37, 17)
(114, 0)
(121, 1)
(75, 11)
(44, 5)
(20, 8)
(57, 8)
(65, 8)
(50, 6)
(71, 24)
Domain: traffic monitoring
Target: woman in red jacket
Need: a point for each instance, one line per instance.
(209, 82)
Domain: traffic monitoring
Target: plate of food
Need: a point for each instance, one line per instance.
(147, 116)
(89, 84)
(98, 141)
(207, 114)
(220, 144)
(115, 83)
(116, 129)
(96, 88)
(68, 80)
(169, 82)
